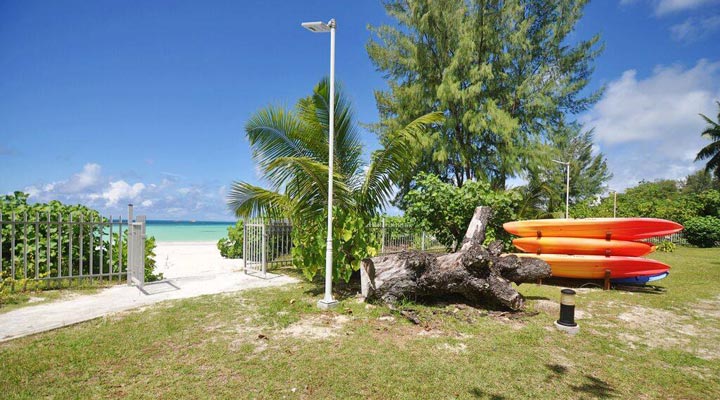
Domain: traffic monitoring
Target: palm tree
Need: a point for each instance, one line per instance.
(711, 151)
(291, 150)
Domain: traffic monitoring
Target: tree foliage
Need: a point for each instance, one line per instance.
(703, 231)
(711, 152)
(544, 194)
(666, 199)
(445, 210)
(290, 148)
(701, 181)
(232, 245)
(503, 73)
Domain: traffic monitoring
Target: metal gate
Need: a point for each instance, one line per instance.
(136, 252)
(266, 244)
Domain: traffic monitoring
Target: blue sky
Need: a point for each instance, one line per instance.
(110, 102)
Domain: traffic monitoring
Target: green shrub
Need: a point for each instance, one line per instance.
(445, 210)
(25, 240)
(703, 231)
(666, 246)
(232, 246)
(352, 241)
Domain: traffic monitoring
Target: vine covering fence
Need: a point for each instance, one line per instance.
(47, 247)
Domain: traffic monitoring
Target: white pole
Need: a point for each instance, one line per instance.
(328, 301)
(567, 193)
(614, 203)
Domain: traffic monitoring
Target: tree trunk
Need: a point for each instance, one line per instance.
(475, 272)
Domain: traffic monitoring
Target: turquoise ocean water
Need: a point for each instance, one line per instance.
(187, 231)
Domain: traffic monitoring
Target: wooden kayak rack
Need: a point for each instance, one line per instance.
(606, 280)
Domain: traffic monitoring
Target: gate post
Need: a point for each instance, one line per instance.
(245, 246)
(382, 244)
(129, 258)
(264, 248)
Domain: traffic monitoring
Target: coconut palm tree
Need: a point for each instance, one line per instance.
(290, 148)
(711, 151)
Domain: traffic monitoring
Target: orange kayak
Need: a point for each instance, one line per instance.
(593, 267)
(598, 228)
(567, 245)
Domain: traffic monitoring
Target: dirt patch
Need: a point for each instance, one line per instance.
(547, 306)
(639, 326)
(317, 327)
(708, 308)
(457, 348)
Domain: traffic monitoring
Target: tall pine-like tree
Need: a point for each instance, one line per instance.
(547, 180)
(503, 72)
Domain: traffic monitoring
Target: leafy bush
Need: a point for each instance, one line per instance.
(352, 242)
(55, 211)
(703, 231)
(666, 246)
(446, 210)
(232, 245)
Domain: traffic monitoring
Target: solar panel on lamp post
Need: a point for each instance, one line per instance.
(567, 189)
(321, 27)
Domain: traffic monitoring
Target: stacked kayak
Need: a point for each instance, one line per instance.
(587, 248)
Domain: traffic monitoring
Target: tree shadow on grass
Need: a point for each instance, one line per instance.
(481, 394)
(341, 290)
(556, 369)
(595, 387)
(598, 284)
(536, 298)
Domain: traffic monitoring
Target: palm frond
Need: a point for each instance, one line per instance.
(274, 132)
(708, 151)
(246, 200)
(315, 110)
(395, 159)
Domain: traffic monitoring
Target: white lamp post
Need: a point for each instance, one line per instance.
(614, 203)
(321, 27)
(567, 189)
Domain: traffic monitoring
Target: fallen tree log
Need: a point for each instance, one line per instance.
(477, 273)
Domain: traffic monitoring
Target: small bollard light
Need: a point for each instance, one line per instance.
(566, 323)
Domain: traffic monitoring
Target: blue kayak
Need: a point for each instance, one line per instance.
(641, 280)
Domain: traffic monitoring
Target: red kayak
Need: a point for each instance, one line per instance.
(593, 267)
(600, 247)
(598, 228)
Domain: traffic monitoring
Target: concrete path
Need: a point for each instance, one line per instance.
(210, 278)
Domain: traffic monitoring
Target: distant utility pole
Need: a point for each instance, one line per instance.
(567, 187)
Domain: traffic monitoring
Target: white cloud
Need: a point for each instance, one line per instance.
(649, 127)
(119, 190)
(663, 7)
(88, 177)
(695, 28)
(172, 197)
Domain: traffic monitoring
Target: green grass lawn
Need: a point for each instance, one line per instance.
(275, 343)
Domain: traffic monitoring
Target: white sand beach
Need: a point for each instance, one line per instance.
(183, 259)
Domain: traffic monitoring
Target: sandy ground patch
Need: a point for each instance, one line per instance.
(317, 327)
(180, 259)
(695, 329)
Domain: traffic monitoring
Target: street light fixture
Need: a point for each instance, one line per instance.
(567, 189)
(321, 27)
